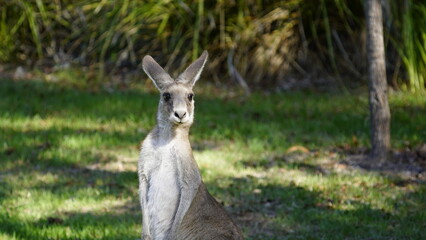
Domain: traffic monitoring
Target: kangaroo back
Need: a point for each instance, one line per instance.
(207, 219)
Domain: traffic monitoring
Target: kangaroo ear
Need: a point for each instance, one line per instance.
(157, 74)
(193, 72)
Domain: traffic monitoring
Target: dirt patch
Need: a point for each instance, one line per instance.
(407, 164)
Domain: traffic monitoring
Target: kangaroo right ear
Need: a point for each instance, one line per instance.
(157, 74)
(193, 72)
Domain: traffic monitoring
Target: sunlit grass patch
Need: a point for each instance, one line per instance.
(69, 158)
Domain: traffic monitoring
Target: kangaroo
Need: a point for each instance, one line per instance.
(174, 200)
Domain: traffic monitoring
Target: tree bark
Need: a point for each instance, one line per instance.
(378, 89)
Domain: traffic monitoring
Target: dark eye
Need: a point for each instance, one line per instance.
(190, 96)
(166, 96)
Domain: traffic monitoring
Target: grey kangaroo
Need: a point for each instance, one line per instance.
(175, 202)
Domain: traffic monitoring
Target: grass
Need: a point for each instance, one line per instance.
(266, 41)
(414, 45)
(69, 159)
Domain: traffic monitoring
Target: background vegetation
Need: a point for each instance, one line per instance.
(285, 165)
(267, 42)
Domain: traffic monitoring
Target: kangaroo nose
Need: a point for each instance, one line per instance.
(180, 114)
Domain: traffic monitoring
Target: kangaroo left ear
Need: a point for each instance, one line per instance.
(156, 73)
(193, 72)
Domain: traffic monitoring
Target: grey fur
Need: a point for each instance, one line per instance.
(175, 202)
(193, 72)
(156, 73)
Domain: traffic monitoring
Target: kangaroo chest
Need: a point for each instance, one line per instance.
(163, 187)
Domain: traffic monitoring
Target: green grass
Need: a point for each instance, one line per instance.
(68, 163)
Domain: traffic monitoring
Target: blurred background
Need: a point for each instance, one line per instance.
(270, 44)
(282, 128)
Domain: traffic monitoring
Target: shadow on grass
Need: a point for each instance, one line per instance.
(287, 211)
(78, 225)
(74, 184)
(263, 210)
(279, 121)
(266, 211)
(49, 146)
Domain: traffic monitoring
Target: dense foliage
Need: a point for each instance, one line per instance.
(267, 42)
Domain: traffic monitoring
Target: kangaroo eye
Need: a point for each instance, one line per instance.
(190, 96)
(166, 96)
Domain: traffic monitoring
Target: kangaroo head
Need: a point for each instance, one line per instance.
(177, 98)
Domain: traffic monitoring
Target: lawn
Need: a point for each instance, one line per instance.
(276, 161)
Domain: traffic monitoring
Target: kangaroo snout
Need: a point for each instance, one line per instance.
(180, 114)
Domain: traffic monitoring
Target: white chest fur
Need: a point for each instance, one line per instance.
(163, 192)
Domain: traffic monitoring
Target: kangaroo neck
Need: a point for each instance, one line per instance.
(166, 132)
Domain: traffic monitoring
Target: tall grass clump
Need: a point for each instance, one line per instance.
(412, 45)
(258, 37)
(332, 30)
(257, 42)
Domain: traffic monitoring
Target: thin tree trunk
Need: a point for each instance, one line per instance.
(379, 106)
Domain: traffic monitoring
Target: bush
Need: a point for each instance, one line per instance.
(266, 41)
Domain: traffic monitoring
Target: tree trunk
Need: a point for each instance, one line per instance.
(379, 106)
